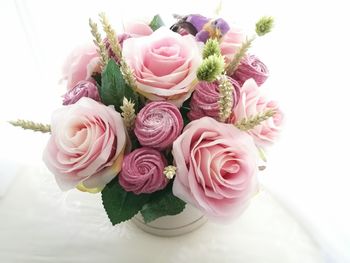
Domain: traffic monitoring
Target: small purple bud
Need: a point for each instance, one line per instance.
(82, 89)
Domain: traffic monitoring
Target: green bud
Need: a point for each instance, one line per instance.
(211, 47)
(210, 68)
(264, 25)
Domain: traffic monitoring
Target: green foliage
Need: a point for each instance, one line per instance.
(264, 25)
(184, 110)
(97, 77)
(113, 87)
(211, 68)
(119, 204)
(156, 22)
(162, 203)
(211, 47)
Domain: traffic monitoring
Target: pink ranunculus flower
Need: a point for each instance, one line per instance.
(87, 145)
(231, 42)
(216, 168)
(82, 89)
(251, 67)
(80, 65)
(205, 99)
(164, 63)
(142, 171)
(252, 103)
(158, 124)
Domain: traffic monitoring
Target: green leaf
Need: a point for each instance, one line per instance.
(119, 204)
(114, 88)
(162, 203)
(184, 110)
(156, 22)
(97, 77)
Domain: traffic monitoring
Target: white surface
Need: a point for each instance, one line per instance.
(39, 223)
(307, 54)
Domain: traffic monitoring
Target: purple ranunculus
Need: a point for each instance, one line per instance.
(82, 89)
(158, 124)
(205, 99)
(142, 171)
(251, 67)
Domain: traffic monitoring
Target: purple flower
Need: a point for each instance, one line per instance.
(142, 171)
(158, 124)
(201, 27)
(215, 28)
(251, 67)
(205, 99)
(82, 89)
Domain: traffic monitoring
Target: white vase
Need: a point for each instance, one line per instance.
(187, 221)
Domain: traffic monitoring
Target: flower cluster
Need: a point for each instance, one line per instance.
(164, 114)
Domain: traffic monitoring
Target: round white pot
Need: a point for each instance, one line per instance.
(187, 221)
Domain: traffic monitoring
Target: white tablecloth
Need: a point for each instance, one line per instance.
(39, 223)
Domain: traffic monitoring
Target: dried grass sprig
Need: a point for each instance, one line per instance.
(30, 125)
(249, 123)
(101, 48)
(111, 36)
(128, 113)
(233, 65)
(225, 98)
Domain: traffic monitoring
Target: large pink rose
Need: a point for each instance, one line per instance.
(231, 42)
(252, 103)
(164, 63)
(216, 166)
(80, 65)
(86, 146)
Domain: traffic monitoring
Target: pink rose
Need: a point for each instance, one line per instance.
(137, 29)
(142, 171)
(158, 124)
(251, 67)
(252, 103)
(231, 42)
(205, 99)
(80, 65)
(86, 145)
(216, 166)
(164, 63)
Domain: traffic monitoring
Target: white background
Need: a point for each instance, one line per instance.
(308, 57)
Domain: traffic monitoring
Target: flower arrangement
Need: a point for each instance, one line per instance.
(158, 117)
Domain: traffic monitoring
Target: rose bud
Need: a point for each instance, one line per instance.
(205, 99)
(251, 67)
(82, 89)
(158, 124)
(142, 171)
